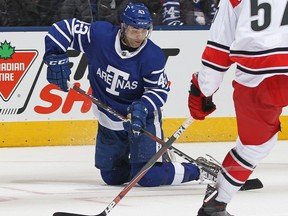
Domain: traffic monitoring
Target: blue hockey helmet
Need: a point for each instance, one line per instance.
(137, 15)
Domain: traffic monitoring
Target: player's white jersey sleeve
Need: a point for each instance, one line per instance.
(251, 33)
(215, 58)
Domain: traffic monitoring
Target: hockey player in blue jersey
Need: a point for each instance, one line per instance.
(126, 72)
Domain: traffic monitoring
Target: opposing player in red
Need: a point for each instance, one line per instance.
(253, 34)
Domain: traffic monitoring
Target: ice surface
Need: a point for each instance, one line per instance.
(38, 181)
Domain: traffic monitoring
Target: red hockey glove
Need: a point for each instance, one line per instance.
(199, 105)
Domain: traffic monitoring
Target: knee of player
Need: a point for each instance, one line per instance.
(115, 177)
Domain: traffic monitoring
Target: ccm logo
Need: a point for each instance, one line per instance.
(60, 62)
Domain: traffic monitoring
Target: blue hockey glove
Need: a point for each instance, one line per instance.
(58, 70)
(137, 112)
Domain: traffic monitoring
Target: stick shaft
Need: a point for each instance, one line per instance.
(160, 141)
(141, 173)
(149, 164)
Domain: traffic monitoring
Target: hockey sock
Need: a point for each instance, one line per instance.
(191, 172)
(166, 173)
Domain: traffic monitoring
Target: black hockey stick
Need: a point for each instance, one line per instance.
(250, 184)
(140, 174)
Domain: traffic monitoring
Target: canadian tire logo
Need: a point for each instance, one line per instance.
(14, 64)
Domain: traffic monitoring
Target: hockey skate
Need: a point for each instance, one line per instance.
(212, 207)
(209, 168)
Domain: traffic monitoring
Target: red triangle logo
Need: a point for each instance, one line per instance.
(12, 71)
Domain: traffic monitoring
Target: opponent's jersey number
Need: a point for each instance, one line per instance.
(263, 15)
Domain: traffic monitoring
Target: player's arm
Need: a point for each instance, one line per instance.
(215, 62)
(155, 81)
(61, 36)
(156, 90)
(154, 97)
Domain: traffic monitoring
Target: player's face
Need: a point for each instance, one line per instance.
(135, 36)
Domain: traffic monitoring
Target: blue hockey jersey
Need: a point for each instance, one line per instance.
(117, 77)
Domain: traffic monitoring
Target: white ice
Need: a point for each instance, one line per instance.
(38, 181)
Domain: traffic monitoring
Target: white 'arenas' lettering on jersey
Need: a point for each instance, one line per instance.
(108, 72)
(112, 77)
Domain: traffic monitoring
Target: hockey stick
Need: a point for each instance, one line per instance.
(141, 173)
(250, 184)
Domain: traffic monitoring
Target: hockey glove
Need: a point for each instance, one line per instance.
(199, 105)
(137, 113)
(58, 70)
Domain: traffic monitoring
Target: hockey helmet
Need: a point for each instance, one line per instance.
(137, 15)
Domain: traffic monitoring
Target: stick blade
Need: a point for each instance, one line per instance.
(73, 214)
(252, 184)
(67, 214)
